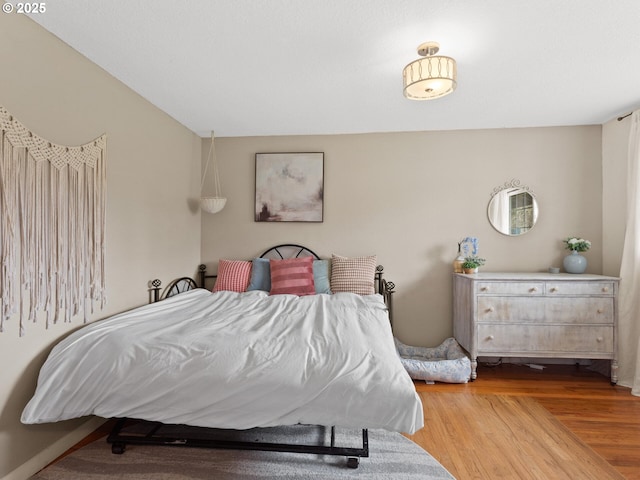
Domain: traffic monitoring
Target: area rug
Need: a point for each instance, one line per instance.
(391, 456)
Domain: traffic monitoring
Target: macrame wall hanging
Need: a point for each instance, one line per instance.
(52, 226)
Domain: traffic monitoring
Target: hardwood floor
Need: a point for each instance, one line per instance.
(513, 422)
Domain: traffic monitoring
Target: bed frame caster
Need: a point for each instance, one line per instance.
(353, 462)
(117, 448)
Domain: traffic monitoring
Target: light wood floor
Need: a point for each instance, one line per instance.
(564, 422)
(513, 423)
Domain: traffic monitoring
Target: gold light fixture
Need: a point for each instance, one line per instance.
(432, 76)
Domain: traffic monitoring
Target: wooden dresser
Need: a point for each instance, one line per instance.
(536, 315)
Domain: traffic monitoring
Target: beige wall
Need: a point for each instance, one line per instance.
(410, 197)
(153, 229)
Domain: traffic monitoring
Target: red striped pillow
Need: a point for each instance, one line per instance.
(293, 276)
(233, 275)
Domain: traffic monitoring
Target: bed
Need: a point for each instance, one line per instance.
(240, 360)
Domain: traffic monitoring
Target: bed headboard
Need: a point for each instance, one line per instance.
(289, 250)
(292, 250)
(285, 250)
(279, 252)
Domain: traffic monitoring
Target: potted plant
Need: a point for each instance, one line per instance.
(471, 264)
(575, 263)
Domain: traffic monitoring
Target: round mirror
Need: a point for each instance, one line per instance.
(513, 210)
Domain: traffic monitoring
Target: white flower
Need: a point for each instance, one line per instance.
(577, 244)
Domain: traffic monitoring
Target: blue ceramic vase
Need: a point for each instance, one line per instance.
(574, 263)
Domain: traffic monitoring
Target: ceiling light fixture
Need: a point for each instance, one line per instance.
(433, 76)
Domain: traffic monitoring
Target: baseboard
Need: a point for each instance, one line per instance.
(53, 451)
(537, 360)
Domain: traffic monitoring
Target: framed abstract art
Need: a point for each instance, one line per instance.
(289, 187)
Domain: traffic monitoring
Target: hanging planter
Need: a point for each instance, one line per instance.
(215, 203)
(212, 204)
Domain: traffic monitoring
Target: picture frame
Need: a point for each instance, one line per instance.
(289, 187)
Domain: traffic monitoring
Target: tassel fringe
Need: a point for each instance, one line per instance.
(52, 226)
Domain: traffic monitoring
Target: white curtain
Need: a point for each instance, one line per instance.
(629, 295)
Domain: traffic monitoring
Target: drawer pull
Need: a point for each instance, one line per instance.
(605, 289)
(599, 310)
(490, 337)
(533, 289)
(490, 309)
(554, 289)
(484, 289)
(599, 339)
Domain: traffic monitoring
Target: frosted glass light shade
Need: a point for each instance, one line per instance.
(430, 77)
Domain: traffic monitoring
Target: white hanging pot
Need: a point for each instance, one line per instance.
(215, 203)
(212, 204)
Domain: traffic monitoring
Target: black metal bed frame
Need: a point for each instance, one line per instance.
(154, 435)
(182, 284)
(119, 438)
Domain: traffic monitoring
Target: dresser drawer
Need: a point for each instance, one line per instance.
(545, 339)
(510, 288)
(578, 310)
(580, 288)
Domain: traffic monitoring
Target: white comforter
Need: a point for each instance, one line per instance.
(234, 360)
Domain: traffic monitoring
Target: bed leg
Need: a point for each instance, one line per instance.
(117, 448)
(353, 462)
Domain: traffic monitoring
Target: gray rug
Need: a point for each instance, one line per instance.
(391, 456)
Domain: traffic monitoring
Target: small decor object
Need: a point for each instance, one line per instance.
(466, 247)
(574, 262)
(457, 262)
(471, 264)
(215, 203)
(289, 187)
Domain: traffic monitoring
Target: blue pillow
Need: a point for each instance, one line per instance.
(321, 277)
(260, 275)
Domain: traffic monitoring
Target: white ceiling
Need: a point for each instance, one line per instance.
(289, 67)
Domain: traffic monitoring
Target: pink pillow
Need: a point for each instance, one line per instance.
(233, 275)
(292, 276)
